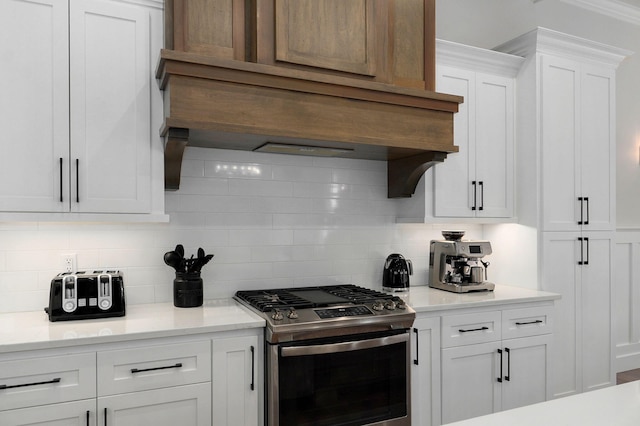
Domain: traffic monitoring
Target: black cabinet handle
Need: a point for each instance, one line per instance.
(586, 240)
(87, 417)
(586, 222)
(473, 329)
(581, 221)
(136, 370)
(61, 200)
(508, 364)
(500, 378)
(475, 195)
(105, 416)
(415, 331)
(77, 180)
(529, 322)
(56, 380)
(253, 368)
(481, 183)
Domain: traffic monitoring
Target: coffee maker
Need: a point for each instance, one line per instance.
(457, 266)
(395, 276)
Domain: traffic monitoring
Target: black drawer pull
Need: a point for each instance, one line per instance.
(56, 380)
(136, 370)
(529, 322)
(473, 329)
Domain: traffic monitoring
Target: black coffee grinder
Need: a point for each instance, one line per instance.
(395, 276)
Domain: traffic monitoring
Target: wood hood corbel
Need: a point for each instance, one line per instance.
(229, 104)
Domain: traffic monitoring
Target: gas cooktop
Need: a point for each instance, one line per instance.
(296, 311)
(310, 297)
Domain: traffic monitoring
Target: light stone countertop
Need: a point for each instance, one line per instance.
(33, 330)
(427, 299)
(615, 406)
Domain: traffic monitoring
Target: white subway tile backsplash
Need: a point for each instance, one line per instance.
(270, 220)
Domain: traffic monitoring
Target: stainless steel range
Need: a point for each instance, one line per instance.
(335, 355)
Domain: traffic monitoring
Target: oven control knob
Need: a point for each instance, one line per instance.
(390, 305)
(292, 314)
(277, 315)
(400, 304)
(378, 305)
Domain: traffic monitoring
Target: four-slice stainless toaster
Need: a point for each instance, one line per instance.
(86, 295)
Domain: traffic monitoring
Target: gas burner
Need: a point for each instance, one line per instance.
(310, 297)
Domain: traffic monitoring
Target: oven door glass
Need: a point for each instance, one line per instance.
(353, 382)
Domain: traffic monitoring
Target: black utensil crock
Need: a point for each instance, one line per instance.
(187, 290)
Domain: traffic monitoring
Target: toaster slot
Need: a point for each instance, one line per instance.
(105, 291)
(69, 293)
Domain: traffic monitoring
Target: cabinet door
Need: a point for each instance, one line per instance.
(560, 172)
(469, 381)
(561, 274)
(425, 372)
(180, 405)
(595, 323)
(34, 106)
(598, 147)
(110, 107)
(494, 146)
(330, 34)
(454, 194)
(77, 413)
(234, 376)
(526, 376)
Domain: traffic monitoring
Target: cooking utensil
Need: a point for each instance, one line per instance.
(172, 259)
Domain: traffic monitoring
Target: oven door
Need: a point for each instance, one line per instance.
(347, 381)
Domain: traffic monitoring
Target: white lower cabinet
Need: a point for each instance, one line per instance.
(425, 372)
(480, 361)
(235, 381)
(180, 405)
(76, 413)
(159, 382)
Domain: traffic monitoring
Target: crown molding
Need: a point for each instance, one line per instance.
(544, 40)
(477, 59)
(615, 9)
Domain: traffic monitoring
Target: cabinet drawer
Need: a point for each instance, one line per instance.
(153, 367)
(47, 380)
(472, 328)
(527, 322)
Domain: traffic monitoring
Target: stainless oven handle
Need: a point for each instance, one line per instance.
(332, 348)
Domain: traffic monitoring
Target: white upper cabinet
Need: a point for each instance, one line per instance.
(578, 145)
(78, 115)
(34, 106)
(475, 183)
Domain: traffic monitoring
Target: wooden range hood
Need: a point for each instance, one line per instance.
(246, 105)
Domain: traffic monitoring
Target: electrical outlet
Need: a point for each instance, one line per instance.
(69, 261)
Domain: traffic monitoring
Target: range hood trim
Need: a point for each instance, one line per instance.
(394, 123)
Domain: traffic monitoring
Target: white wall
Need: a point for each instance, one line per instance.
(271, 220)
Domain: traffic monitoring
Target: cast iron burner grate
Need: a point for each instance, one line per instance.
(267, 300)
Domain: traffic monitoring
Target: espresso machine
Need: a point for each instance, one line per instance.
(458, 266)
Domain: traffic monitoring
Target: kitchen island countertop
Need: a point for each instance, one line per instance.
(32, 330)
(615, 406)
(427, 299)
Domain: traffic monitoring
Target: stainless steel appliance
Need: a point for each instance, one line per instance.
(456, 265)
(86, 295)
(335, 355)
(395, 275)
